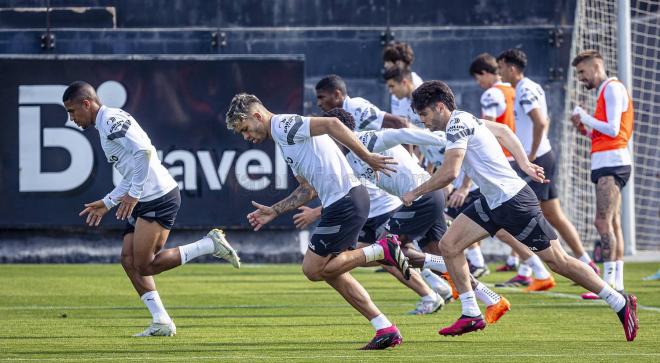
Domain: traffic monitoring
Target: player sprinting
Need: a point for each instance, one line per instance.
(609, 128)
(148, 197)
(532, 123)
(401, 84)
(423, 220)
(506, 202)
(322, 170)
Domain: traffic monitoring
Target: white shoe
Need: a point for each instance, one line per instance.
(158, 330)
(222, 248)
(428, 306)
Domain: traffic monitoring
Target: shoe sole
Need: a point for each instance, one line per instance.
(477, 328)
(234, 260)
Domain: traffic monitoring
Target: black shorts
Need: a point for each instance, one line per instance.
(423, 220)
(543, 191)
(375, 226)
(521, 216)
(341, 223)
(621, 174)
(471, 197)
(162, 210)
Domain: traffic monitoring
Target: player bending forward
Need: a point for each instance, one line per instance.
(147, 196)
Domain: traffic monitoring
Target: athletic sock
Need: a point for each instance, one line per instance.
(193, 250)
(618, 276)
(585, 258)
(469, 304)
(524, 270)
(434, 281)
(512, 260)
(374, 252)
(486, 295)
(475, 257)
(540, 272)
(613, 298)
(380, 322)
(156, 308)
(435, 263)
(609, 272)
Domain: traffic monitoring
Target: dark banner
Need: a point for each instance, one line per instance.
(50, 167)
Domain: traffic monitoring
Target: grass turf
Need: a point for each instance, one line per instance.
(271, 312)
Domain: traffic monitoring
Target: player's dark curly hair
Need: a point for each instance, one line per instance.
(515, 57)
(397, 73)
(484, 62)
(330, 83)
(431, 92)
(343, 116)
(399, 51)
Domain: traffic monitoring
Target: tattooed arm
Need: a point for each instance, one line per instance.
(264, 214)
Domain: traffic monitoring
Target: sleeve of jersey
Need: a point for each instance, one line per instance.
(616, 99)
(369, 117)
(112, 199)
(131, 138)
(529, 100)
(389, 138)
(491, 101)
(459, 133)
(291, 129)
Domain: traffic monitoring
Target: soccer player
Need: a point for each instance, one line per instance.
(331, 93)
(506, 202)
(400, 55)
(400, 83)
(610, 128)
(148, 197)
(532, 122)
(422, 221)
(321, 169)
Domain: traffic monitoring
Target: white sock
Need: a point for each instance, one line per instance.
(618, 276)
(524, 270)
(435, 263)
(374, 252)
(156, 308)
(585, 258)
(609, 271)
(486, 295)
(380, 322)
(475, 257)
(613, 298)
(469, 304)
(434, 281)
(193, 250)
(540, 272)
(512, 260)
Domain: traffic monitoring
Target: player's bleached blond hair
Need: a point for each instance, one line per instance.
(239, 109)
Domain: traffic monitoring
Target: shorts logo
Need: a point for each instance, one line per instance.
(311, 246)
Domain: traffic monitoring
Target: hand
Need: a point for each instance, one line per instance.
(536, 173)
(306, 217)
(381, 163)
(576, 120)
(408, 199)
(127, 203)
(262, 216)
(95, 211)
(457, 198)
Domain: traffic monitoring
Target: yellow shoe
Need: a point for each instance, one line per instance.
(496, 311)
(541, 284)
(454, 292)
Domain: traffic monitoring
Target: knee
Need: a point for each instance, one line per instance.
(144, 269)
(449, 249)
(602, 225)
(312, 274)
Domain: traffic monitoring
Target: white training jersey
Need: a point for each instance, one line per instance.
(315, 158)
(493, 102)
(400, 106)
(432, 154)
(387, 142)
(366, 115)
(530, 95)
(121, 139)
(380, 201)
(484, 160)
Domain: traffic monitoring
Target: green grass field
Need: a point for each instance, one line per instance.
(271, 312)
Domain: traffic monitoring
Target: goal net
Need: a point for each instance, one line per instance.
(596, 28)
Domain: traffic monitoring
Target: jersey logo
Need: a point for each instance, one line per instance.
(459, 135)
(291, 134)
(119, 129)
(367, 116)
